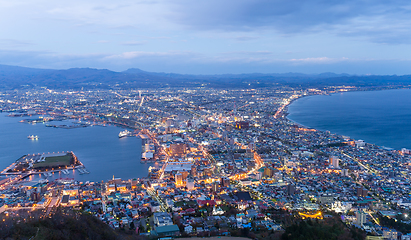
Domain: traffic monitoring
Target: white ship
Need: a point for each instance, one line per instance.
(32, 137)
(124, 133)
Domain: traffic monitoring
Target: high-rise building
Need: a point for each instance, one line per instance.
(361, 218)
(290, 189)
(179, 178)
(334, 161)
(193, 171)
(190, 184)
(224, 182)
(215, 187)
(268, 172)
(144, 140)
(361, 192)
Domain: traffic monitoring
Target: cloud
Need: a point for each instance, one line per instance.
(197, 63)
(317, 60)
(47, 59)
(133, 43)
(140, 54)
(13, 43)
(248, 53)
(244, 38)
(383, 21)
(391, 28)
(122, 14)
(378, 21)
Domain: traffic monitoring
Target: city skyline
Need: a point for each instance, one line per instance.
(155, 119)
(208, 37)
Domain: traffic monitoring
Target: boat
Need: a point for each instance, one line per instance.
(32, 137)
(124, 133)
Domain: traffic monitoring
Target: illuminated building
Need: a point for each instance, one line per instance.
(179, 179)
(215, 187)
(268, 172)
(224, 182)
(317, 215)
(390, 234)
(242, 125)
(334, 161)
(178, 149)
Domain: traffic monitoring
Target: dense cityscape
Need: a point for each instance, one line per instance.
(226, 162)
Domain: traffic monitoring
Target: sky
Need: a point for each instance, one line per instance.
(209, 36)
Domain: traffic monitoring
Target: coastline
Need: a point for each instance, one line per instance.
(286, 115)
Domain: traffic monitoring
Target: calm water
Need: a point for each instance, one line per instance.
(378, 117)
(97, 147)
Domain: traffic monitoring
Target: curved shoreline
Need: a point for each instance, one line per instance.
(287, 113)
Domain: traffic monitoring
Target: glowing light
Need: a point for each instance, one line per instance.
(318, 215)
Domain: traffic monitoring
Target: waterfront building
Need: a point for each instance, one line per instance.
(359, 143)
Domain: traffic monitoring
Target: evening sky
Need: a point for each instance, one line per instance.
(209, 36)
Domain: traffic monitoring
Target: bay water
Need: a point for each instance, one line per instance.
(377, 117)
(99, 148)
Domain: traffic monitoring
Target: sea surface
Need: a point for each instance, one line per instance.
(99, 148)
(377, 117)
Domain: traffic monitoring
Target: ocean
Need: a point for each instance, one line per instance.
(99, 148)
(377, 117)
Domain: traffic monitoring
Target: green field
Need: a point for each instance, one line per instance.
(56, 161)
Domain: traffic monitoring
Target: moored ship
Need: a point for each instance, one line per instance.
(124, 133)
(32, 137)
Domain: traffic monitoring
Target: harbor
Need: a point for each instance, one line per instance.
(98, 147)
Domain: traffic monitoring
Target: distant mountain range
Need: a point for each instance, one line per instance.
(13, 77)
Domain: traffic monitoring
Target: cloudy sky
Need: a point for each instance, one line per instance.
(209, 36)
